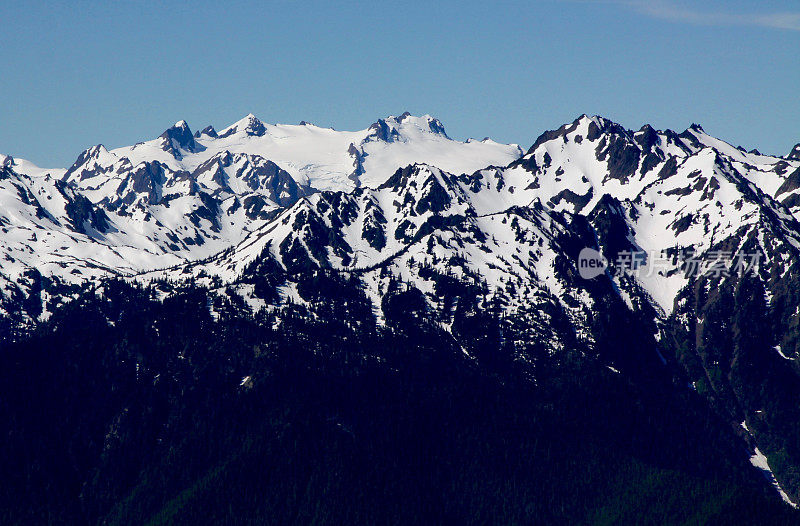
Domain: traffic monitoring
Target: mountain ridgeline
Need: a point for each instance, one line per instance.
(294, 324)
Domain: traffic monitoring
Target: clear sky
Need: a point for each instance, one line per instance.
(78, 74)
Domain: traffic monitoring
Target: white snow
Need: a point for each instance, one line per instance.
(760, 461)
(778, 348)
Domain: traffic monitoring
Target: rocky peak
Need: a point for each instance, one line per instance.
(250, 126)
(97, 154)
(208, 131)
(178, 138)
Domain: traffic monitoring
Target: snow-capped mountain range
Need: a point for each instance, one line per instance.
(380, 195)
(402, 203)
(185, 196)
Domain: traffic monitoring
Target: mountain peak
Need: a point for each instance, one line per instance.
(436, 126)
(97, 155)
(208, 131)
(382, 131)
(795, 153)
(595, 125)
(425, 123)
(249, 125)
(95, 152)
(412, 176)
(178, 137)
(394, 128)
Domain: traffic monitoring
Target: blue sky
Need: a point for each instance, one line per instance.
(75, 75)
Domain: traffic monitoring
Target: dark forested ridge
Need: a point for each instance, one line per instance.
(122, 409)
